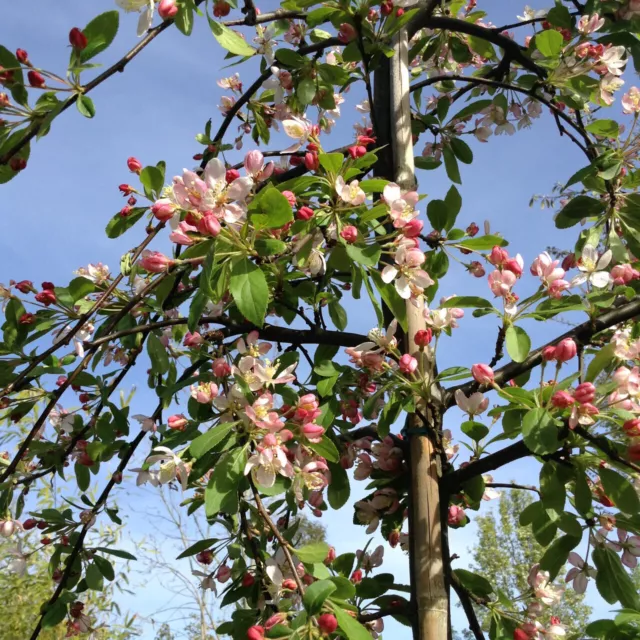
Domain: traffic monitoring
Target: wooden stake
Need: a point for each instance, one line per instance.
(427, 568)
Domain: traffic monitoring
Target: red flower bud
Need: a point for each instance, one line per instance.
(24, 286)
(134, 165)
(29, 523)
(17, 164)
(177, 422)
(473, 229)
(126, 189)
(349, 234)
(248, 580)
(221, 8)
(167, 9)
(255, 633)
(566, 350)
(231, 175)
(311, 161)
(632, 427)
(36, 79)
(304, 213)
(356, 576)
(27, 318)
(482, 373)
(423, 337)
(77, 39)
(23, 56)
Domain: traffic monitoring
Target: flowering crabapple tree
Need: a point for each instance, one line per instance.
(264, 397)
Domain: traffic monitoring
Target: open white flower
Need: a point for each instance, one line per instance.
(171, 466)
(592, 267)
(350, 193)
(299, 129)
(474, 405)
(146, 9)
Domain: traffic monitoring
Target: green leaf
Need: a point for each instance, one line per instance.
(83, 476)
(198, 304)
(540, 432)
(312, 553)
(152, 179)
(326, 449)
(290, 58)
(208, 440)
(582, 494)
(482, 243)
(275, 207)
(93, 576)
(373, 185)
(453, 201)
(577, 209)
(451, 165)
(391, 299)
(613, 582)
(306, 91)
(119, 224)
(601, 360)
(331, 162)
(339, 488)
(345, 588)
(221, 494)
(230, 40)
(315, 595)
(549, 43)
(482, 47)
(369, 255)
(249, 289)
(475, 583)
(269, 246)
(349, 626)
(318, 16)
(85, 106)
(199, 546)
(462, 150)
(556, 555)
(54, 615)
(518, 343)
(620, 490)
(125, 555)
(426, 163)
(100, 33)
(338, 315)
(438, 214)
(605, 128)
(475, 430)
(105, 567)
(157, 354)
(467, 302)
(184, 17)
(81, 287)
(472, 109)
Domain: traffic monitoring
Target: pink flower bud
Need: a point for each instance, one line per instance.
(276, 618)
(177, 422)
(192, 339)
(24, 286)
(311, 161)
(482, 373)
(304, 213)
(77, 39)
(223, 573)
(513, 265)
(423, 337)
(231, 175)
(408, 364)
(327, 623)
(289, 585)
(631, 428)
(209, 225)
(346, 33)
(549, 353)
(221, 368)
(356, 576)
(394, 539)
(155, 262)
(134, 165)
(163, 209)
(331, 555)
(457, 517)
(167, 9)
(253, 162)
(349, 234)
(291, 197)
(498, 256)
(562, 399)
(313, 432)
(412, 229)
(585, 393)
(256, 632)
(565, 350)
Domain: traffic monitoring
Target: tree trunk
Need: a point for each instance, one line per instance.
(392, 117)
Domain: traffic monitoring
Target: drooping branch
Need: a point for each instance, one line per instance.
(466, 600)
(582, 334)
(512, 49)
(267, 332)
(119, 66)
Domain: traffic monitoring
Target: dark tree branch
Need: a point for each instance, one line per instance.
(602, 443)
(582, 334)
(499, 349)
(383, 613)
(512, 485)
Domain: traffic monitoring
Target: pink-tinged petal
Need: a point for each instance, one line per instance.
(265, 477)
(576, 560)
(402, 287)
(240, 189)
(391, 193)
(580, 582)
(389, 273)
(214, 172)
(579, 279)
(605, 259)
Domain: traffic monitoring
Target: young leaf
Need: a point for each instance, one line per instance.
(518, 343)
(249, 289)
(100, 33)
(209, 439)
(312, 553)
(230, 40)
(157, 354)
(549, 43)
(316, 594)
(85, 106)
(620, 491)
(221, 493)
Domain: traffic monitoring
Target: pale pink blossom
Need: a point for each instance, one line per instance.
(350, 193)
(474, 405)
(592, 268)
(410, 280)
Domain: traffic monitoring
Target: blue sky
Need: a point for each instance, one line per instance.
(56, 211)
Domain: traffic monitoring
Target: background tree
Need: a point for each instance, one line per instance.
(504, 553)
